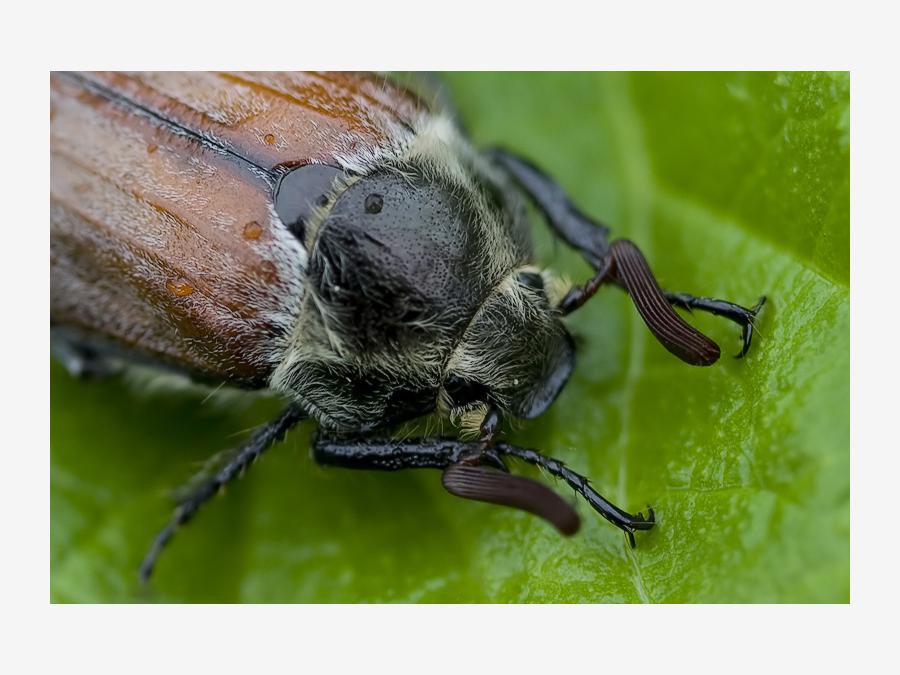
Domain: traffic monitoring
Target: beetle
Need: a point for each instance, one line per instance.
(334, 238)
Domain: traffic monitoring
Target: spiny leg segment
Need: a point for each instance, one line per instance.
(206, 489)
(476, 470)
(625, 267)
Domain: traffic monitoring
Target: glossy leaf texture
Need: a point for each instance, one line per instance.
(734, 185)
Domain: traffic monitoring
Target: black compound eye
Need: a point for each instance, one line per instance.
(299, 191)
(463, 391)
(374, 203)
(531, 280)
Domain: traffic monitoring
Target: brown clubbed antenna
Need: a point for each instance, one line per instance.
(482, 484)
(673, 332)
(626, 266)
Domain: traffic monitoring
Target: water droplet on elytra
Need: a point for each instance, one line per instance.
(268, 272)
(252, 230)
(179, 288)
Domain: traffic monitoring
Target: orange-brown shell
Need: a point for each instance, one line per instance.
(163, 238)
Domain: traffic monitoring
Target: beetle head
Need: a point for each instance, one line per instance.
(515, 354)
(399, 265)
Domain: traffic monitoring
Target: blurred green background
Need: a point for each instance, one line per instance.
(734, 185)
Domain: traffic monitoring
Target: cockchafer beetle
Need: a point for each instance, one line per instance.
(337, 239)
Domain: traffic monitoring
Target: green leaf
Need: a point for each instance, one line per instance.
(734, 185)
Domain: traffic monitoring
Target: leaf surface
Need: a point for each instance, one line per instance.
(734, 185)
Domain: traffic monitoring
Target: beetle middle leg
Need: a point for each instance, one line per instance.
(208, 487)
(79, 358)
(591, 239)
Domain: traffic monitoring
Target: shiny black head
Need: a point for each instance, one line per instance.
(422, 289)
(398, 264)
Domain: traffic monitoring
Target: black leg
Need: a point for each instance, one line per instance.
(621, 519)
(80, 359)
(579, 231)
(591, 239)
(742, 316)
(439, 94)
(452, 455)
(391, 455)
(261, 441)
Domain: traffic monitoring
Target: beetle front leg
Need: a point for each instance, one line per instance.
(740, 315)
(261, 441)
(470, 470)
(625, 521)
(621, 519)
(579, 231)
(390, 455)
(591, 239)
(465, 475)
